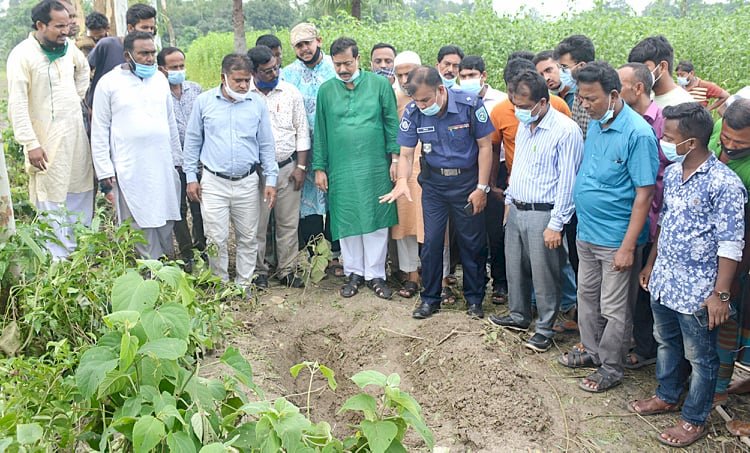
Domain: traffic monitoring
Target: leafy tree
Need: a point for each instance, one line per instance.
(15, 22)
(354, 7)
(269, 14)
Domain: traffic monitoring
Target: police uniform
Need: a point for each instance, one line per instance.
(449, 174)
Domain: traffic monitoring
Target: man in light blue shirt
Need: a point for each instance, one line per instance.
(612, 195)
(230, 133)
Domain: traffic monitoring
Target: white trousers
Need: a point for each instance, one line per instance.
(365, 254)
(408, 254)
(224, 201)
(78, 207)
(158, 240)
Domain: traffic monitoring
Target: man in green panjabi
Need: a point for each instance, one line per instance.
(355, 152)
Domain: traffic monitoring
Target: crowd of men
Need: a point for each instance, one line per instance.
(604, 201)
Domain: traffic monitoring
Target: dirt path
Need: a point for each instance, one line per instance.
(480, 390)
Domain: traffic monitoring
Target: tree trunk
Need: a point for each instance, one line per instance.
(357, 9)
(238, 21)
(170, 28)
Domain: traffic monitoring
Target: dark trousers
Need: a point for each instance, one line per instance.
(313, 225)
(493, 217)
(643, 318)
(185, 242)
(444, 197)
(570, 235)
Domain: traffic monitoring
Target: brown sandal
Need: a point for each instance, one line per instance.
(684, 433)
(651, 406)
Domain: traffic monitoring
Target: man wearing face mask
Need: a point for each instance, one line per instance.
(548, 68)
(701, 90)
(572, 54)
(230, 133)
(382, 57)
(355, 147)
(171, 62)
(549, 149)
(656, 53)
(612, 194)
(47, 77)
(454, 129)
(292, 137)
(448, 60)
(136, 146)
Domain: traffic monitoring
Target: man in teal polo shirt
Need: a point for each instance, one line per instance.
(612, 194)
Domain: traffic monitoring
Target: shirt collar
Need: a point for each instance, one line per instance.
(619, 121)
(548, 118)
(702, 168)
(652, 112)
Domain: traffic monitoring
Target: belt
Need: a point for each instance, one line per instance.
(289, 160)
(231, 178)
(452, 171)
(533, 206)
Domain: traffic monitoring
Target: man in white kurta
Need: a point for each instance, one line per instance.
(47, 78)
(136, 147)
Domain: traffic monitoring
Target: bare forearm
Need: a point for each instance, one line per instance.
(727, 268)
(485, 162)
(405, 162)
(302, 158)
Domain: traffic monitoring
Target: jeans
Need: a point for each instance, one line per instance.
(685, 342)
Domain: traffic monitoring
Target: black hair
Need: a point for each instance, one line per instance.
(139, 12)
(522, 54)
(42, 11)
(693, 120)
(259, 55)
(164, 53)
(534, 82)
(472, 62)
(422, 75)
(655, 49)
(343, 43)
(236, 62)
(96, 21)
(737, 115)
(382, 45)
(515, 67)
(132, 37)
(686, 65)
(270, 41)
(543, 56)
(580, 48)
(641, 74)
(599, 71)
(449, 50)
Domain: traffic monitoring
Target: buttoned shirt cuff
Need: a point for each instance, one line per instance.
(731, 250)
(271, 181)
(555, 224)
(191, 177)
(28, 146)
(303, 145)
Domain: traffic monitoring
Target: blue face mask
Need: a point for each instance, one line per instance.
(670, 151)
(607, 115)
(525, 116)
(473, 86)
(449, 83)
(567, 80)
(143, 71)
(176, 77)
(261, 85)
(433, 109)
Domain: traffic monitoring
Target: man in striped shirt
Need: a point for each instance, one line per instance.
(549, 150)
(701, 90)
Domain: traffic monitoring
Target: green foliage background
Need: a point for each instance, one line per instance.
(716, 43)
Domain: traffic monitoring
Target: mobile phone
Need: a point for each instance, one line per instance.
(469, 208)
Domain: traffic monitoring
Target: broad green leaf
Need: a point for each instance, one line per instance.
(128, 349)
(420, 426)
(132, 292)
(257, 407)
(393, 380)
(124, 318)
(396, 447)
(205, 392)
(329, 374)
(362, 402)
(243, 370)
(180, 442)
(170, 275)
(132, 406)
(294, 371)
(244, 436)
(404, 400)
(165, 348)
(379, 434)
(196, 422)
(113, 382)
(27, 434)
(95, 364)
(169, 320)
(148, 432)
(318, 266)
(369, 377)
(216, 447)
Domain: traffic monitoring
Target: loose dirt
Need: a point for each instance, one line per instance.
(479, 389)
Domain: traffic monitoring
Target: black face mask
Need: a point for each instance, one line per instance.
(314, 58)
(735, 154)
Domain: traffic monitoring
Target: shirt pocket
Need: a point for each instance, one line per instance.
(612, 170)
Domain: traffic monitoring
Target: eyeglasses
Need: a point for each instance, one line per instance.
(270, 71)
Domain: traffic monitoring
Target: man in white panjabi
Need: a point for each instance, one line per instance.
(47, 78)
(136, 147)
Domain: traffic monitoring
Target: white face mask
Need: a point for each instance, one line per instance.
(238, 97)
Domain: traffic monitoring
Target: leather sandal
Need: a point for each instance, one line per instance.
(351, 287)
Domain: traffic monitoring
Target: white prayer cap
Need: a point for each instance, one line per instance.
(744, 93)
(407, 57)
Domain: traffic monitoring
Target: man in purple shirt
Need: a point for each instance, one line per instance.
(636, 92)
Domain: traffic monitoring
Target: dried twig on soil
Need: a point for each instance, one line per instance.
(745, 440)
(564, 416)
(385, 329)
(631, 414)
(456, 332)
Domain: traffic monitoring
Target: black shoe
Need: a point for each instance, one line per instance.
(499, 295)
(291, 281)
(475, 311)
(539, 343)
(425, 310)
(261, 281)
(508, 323)
(188, 266)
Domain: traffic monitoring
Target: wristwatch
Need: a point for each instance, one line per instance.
(484, 188)
(302, 167)
(724, 296)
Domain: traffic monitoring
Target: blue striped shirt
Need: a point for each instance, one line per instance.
(545, 165)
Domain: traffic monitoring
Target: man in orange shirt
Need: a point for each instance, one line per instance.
(701, 90)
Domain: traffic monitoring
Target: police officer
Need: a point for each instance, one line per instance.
(454, 129)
